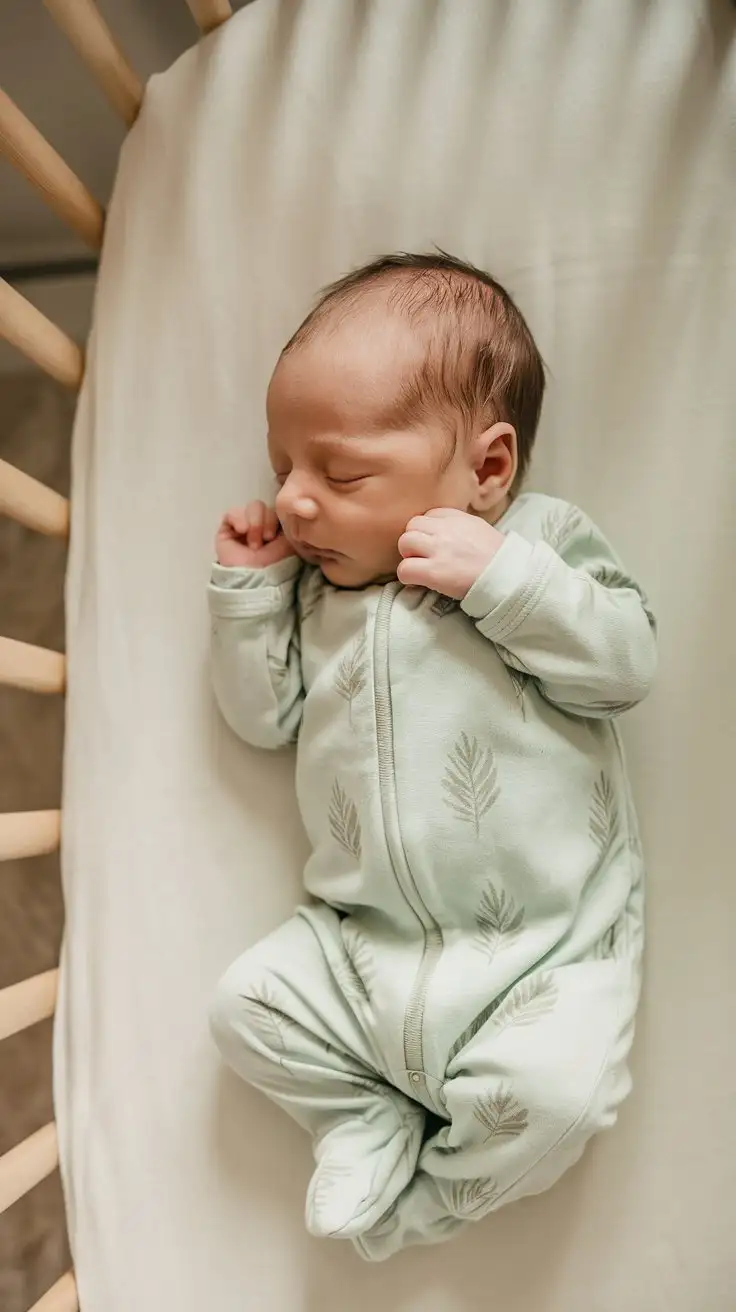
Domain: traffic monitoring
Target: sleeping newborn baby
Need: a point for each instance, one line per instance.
(450, 1016)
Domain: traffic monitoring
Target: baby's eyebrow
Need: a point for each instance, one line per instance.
(341, 443)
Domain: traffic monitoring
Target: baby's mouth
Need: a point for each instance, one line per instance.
(317, 555)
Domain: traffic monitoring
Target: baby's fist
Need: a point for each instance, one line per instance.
(446, 551)
(251, 538)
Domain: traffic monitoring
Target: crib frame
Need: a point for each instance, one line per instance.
(29, 502)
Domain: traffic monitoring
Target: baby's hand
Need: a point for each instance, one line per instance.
(251, 538)
(446, 551)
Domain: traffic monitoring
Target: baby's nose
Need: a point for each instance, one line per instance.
(292, 501)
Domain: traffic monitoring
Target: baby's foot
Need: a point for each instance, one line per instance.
(362, 1167)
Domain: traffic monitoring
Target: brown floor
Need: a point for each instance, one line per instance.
(35, 429)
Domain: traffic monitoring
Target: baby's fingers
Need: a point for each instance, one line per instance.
(271, 526)
(256, 517)
(416, 572)
(237, 521)
(446, 512)
(415, 543)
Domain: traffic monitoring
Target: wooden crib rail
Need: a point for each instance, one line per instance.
(30, 153)
(34, 335)
(86, 29)
(43, 510)
(32, 503)
(62, 1297)
(26, 1165)
(25, 1004)
(209, 14)
(28, 833)
(34, 668)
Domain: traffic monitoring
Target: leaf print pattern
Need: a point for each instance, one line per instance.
(412, 1126)
(529, 1000)
(344, 822)
(501, 1115)
(350, 982)
(559, 525)
(473, 1028)
(470, 782)
(359, 956)
(604, 820)
(519, 680)
(617, 942)
(497, 917)
(472, 1198)
(352, 674)
(604, 949)
(610, 576)
(523, 1004)
(272, 1023)
(518, 674)
(510, 659)
(336, 1060)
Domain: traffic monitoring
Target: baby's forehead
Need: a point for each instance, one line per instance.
(370, 354)
(369, 319)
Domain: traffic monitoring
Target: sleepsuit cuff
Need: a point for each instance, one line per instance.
(236, 593)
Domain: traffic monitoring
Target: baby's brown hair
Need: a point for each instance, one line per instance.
(481, 361)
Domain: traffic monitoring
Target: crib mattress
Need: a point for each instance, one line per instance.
(584, 154)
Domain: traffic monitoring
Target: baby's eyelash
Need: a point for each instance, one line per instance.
(280, 479)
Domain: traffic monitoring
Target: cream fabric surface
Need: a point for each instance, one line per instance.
(584, 152)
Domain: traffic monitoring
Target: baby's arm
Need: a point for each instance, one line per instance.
(256, 660)
(572, 618)
(575, 621)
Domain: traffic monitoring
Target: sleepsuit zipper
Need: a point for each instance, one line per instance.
(431, 931)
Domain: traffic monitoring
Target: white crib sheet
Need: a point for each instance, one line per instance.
(584, 152)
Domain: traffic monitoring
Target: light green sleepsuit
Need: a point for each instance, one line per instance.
(451, 1017)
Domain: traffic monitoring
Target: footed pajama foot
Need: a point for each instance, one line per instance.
(362, 1167)
(421, 1215)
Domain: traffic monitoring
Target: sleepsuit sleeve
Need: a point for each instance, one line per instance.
(255, 651)
(572, 618)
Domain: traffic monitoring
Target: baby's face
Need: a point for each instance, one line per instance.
(349, 478)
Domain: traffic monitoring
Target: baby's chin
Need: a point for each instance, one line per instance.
(347, 573)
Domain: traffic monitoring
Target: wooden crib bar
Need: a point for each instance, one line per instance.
(83, 24)
(34, 668)
(210, 14)
(32, 503)
(62, 1297)
(37, 337)
(29, 152)
(37, 507)
(28, 833)
(25, 1004)
(24, 1166)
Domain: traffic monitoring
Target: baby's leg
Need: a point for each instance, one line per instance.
(287, 1018)
(524, 1095)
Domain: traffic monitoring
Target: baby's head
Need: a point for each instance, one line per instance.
(414, 383)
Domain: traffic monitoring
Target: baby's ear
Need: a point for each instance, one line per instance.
(495, 462)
